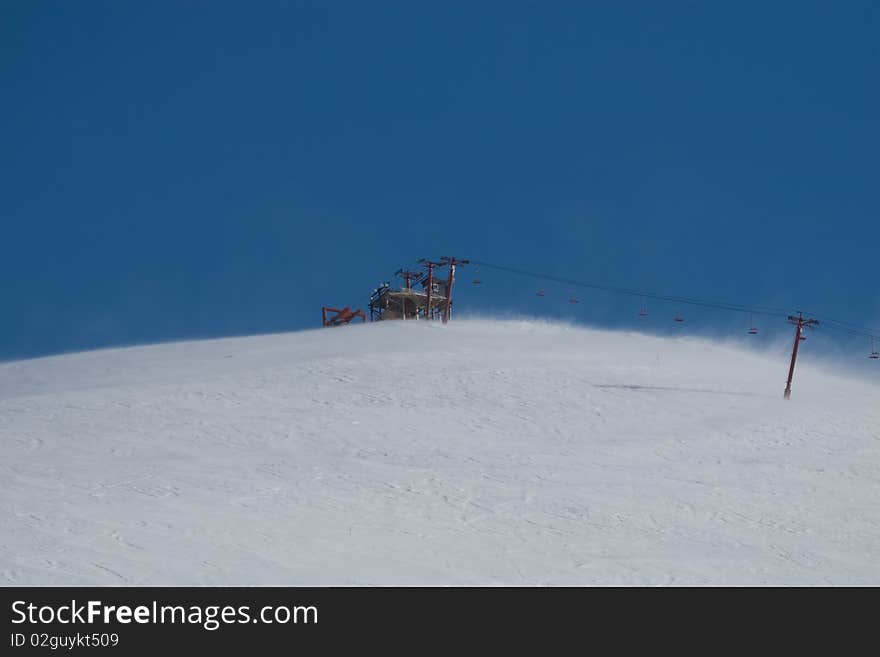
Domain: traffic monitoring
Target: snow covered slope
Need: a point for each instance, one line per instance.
(406, 453)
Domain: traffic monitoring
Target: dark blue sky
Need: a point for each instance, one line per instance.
(176, 170)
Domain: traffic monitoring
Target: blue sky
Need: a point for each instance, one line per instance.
(178, 170)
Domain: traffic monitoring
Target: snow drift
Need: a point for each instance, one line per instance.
(412, 453)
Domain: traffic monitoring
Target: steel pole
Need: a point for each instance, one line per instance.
(430, 266)
(799, 327)
(448, 311)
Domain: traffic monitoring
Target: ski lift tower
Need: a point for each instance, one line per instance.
(451, 262)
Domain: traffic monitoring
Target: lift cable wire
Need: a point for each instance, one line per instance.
(763, 310)
(846, 326)
(721, 305)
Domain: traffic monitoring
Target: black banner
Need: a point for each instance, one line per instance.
(150, 620)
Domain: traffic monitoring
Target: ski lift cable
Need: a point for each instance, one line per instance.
(827, 323)
(847, 327)
(763, 310)
(705, 303)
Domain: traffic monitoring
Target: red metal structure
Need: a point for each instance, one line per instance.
(341, 316)
(799, 323)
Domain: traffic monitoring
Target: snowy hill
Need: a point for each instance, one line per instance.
(406, 453)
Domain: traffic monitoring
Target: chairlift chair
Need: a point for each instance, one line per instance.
(753, 330)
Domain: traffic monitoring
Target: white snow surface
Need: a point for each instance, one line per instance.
(407, 453)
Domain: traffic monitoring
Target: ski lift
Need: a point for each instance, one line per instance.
(539, 293)
(573, 300)
(477, 280)
(643, 311)
(678, 318)
(874, 355)
(753, 330)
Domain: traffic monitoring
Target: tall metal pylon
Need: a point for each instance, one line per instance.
(452, 262)
(799, 323)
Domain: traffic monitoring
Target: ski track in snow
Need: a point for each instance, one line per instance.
(521, 453)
